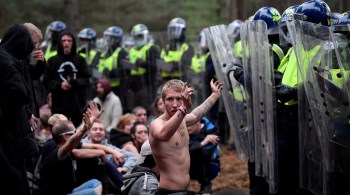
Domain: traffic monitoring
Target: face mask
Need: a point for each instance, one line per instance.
(140, 43)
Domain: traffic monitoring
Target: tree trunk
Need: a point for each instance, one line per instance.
(71, 11)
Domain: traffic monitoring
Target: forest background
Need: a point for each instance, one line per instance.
(155, 14)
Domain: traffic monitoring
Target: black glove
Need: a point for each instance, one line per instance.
(278, 77)
(285, 93)
(239, 74)
(139, 62)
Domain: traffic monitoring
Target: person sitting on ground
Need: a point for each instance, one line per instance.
(120, 136)
(169, 136)
(59, 154)
(111, 172)
(109, 102)
(139, 133)
(97, 135)
(144, 177)
(205, 153)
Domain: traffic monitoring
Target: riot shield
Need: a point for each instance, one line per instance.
(247, 68)
(223, 61)
(323, 77)
(263, 104)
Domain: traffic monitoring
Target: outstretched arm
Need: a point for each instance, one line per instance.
(202, 109)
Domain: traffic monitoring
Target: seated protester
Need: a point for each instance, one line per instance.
(97, 135)
(120, 137)
(204, 152)
(139, 133)
(110, 173)
(57, 164)
(144, 177)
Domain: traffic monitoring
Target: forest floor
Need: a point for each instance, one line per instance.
(233, 174)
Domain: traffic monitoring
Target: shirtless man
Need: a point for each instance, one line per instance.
(169, 136)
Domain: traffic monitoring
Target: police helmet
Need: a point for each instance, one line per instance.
(113, 35)
(233, 30)
(343, 22)
(269, 15)
(176, 29)
(335, 18)
(57, 26)
(315, 11)
(140, 34)
(88, 34)
(287, 15)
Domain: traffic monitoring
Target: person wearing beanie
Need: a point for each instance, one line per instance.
(110, 104)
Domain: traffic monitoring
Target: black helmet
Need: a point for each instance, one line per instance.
(314, 11)
(270, 16)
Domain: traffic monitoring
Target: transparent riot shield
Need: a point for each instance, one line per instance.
(323, 76)
(310, 152)
(224, 63)
(247, 68)
(263, 104)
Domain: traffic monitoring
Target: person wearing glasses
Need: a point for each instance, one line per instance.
(139, 133)
(58, 159)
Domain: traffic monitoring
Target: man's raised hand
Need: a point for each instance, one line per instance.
(216, 86)
(186, 94)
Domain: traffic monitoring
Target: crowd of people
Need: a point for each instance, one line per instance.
(81, 117)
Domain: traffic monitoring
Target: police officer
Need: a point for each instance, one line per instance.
(287, 94)
(87, 45)
(177, 53)
(143, 77)
(52, 32)
(110, 64)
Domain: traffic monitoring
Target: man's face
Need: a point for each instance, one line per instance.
(97, 133)
(141, 134)
(36, 41)
(172, 101)
(100, 90)
(67, 43)
(141, 115)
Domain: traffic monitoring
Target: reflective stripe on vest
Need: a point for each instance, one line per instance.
(135, 54)
(277, 49)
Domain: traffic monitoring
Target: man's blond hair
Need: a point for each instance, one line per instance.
(33, 30)
(173, 84)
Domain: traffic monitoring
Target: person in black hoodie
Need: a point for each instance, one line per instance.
(16, 139)
(66, 77)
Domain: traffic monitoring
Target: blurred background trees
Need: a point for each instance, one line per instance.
(100, 14)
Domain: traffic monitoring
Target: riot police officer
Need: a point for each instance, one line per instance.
(177, 53)
(51, 43)
(142, 78)
(110, 64)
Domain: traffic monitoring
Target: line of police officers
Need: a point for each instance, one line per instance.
(136, 67)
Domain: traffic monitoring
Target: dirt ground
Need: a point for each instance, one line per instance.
(234, 173)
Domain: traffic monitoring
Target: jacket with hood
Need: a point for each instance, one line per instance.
(18, 42)
(141, 180)
(71, 102)
(16, 138)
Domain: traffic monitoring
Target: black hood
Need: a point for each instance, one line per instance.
(17, 41)
(60, 50)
